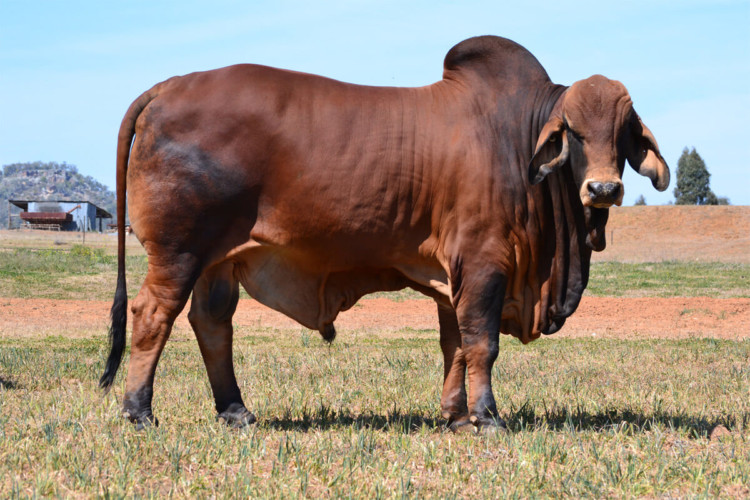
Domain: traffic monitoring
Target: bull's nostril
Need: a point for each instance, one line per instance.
(603, 192)
(595, 188)
(612, 189)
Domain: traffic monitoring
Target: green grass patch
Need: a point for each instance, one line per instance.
(669, 279)
(87, 273)
(79, 259)
(587, 418)
(81, 272)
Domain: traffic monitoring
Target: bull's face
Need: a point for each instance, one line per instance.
(594, 128)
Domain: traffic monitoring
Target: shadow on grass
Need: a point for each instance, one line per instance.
(558, 419)
(325, 418)
(7, 384)
(523, 419)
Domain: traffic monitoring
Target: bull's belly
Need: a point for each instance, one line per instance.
(313, 293)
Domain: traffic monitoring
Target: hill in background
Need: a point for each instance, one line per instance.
(50, 181)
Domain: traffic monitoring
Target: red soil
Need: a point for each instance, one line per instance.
(597, 317)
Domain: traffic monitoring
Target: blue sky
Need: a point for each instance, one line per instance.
(69, 70)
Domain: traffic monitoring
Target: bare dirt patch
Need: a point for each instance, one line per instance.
(601, 317)
(672, 232)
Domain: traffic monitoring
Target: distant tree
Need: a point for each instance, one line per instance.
(640, 201)
(712, 199)
(693, 181)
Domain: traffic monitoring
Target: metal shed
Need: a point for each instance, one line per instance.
(59, 215)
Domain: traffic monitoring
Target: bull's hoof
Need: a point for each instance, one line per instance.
(459, 425)
(142, 422)
(236, 418)
(488, 425)
(136, 406)
(491, 430)
(147, 423)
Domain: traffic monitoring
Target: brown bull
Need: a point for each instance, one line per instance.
(486, 191)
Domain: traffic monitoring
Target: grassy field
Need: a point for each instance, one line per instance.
(669, 279)
(89, 273)
(587, 417)
(361, 419)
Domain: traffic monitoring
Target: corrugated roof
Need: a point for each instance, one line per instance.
(24, 205)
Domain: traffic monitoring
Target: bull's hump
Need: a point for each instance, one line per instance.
(493, 56)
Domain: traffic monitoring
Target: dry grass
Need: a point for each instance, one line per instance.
(64, 240)
(594, 418)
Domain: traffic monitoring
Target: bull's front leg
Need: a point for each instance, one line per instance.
(453, 401)
(478, 299)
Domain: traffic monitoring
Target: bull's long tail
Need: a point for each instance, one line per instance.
(119, 311)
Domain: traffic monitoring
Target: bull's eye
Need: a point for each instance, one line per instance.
(552, 139)
(575, 135)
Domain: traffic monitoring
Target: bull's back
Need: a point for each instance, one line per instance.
(303, 157)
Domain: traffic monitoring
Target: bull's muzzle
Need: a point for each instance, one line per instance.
(601, 194)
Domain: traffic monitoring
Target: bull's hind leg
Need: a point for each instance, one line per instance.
(214, 301)
(453, 401)
(161, 298)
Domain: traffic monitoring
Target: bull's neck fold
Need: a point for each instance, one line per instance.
(553, 250)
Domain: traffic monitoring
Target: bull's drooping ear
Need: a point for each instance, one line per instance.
(644, 156)
(551, 150)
